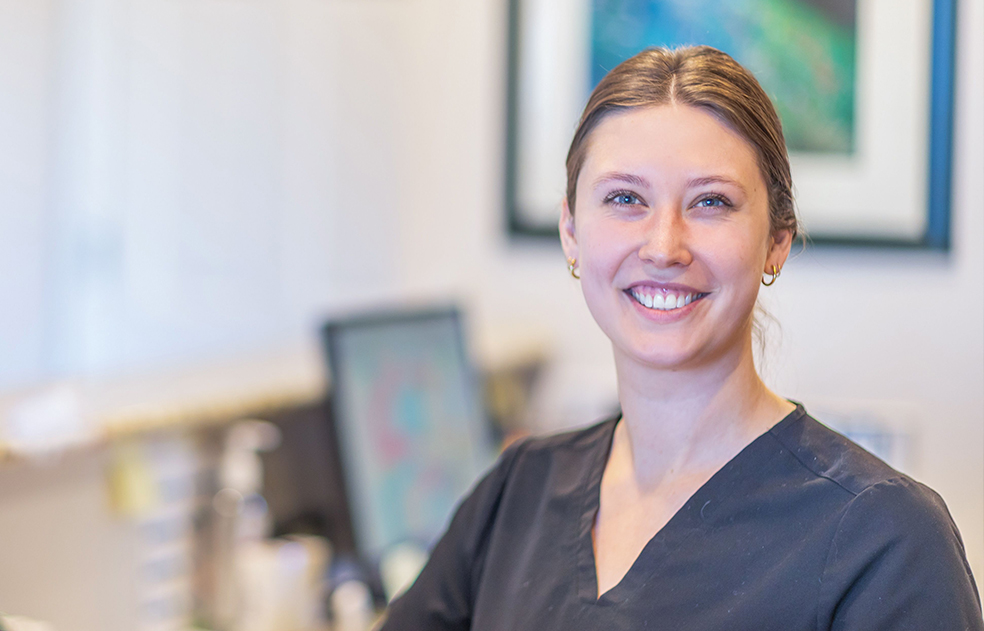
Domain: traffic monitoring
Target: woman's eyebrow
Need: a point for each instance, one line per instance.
(618, 176)
(715, 179)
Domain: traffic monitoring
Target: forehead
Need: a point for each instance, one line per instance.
(668, 140)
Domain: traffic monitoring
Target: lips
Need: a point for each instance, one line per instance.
(663, 299)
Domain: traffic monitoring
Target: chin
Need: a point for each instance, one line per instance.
(660, 356)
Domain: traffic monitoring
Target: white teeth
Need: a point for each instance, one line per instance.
(663, 302)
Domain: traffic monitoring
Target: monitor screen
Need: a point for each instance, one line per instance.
(411, 430)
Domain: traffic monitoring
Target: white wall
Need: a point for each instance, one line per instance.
(25, 68)
(184, 180)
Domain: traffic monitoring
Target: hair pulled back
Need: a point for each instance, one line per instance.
(698, 76)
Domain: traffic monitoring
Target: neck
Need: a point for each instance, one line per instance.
(684, 420)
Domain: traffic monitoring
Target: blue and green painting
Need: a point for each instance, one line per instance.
(802, 52)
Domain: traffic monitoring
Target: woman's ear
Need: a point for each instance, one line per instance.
(780, 245)
(568, 236)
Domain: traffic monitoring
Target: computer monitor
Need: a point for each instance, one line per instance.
(411, 429)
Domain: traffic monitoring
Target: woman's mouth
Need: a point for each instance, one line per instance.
(659, 300)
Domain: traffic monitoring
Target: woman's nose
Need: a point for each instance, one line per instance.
(666, 240)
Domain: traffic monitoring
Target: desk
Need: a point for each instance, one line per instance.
(66, 557)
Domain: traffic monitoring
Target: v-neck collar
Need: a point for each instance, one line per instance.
(683, 524)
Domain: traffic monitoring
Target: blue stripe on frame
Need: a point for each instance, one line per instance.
(941, 125)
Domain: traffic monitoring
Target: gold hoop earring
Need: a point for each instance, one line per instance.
(774, 273)
(572, 268)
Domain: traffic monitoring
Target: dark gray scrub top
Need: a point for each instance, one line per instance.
(801, 530)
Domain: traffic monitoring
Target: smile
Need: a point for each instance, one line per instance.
(663, 301)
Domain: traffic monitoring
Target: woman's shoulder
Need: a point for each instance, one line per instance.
(894, 550)
(570, 451)
(895, 553)
(871, 500)
(541, 466)
(596, 436)
(829, 455)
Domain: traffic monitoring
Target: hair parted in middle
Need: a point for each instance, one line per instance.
(703, 77)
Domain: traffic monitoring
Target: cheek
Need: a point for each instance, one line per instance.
(736, 255)
(603, 250)
(602, 246)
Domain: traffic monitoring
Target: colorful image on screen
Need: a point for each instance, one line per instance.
(411, 429)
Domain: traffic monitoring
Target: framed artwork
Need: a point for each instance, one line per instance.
(864, 89)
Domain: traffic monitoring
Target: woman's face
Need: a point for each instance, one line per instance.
(671, 234)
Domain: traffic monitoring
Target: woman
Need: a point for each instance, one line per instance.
(709, 502)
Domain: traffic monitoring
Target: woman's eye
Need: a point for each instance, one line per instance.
(623, 199)
(713, 202)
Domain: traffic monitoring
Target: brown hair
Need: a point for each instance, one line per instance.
(698, 76)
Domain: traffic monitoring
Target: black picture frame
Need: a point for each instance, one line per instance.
(522, 224)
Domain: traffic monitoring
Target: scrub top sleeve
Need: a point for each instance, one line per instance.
(897, 563)
(442, 597)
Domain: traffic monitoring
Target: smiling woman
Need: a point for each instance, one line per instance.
(708, 502)
(671, 206)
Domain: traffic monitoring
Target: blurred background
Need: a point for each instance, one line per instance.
(190, 189)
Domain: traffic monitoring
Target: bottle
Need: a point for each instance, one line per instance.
(351, 606)
(242, 520)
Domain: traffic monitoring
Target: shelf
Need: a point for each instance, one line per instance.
(53, 418)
